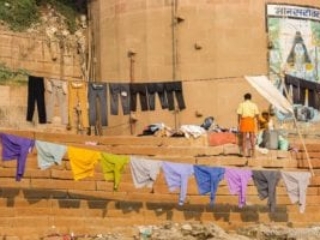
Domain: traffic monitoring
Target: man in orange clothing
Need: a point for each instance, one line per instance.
(248, 114)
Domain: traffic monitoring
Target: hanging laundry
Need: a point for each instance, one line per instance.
(144, 171)
(177, 176)
(16, 148)
(57, 90)
(237, 181)
(303, 91)
(122, 90)
(49, 154)
(113, 167)
(153, 89)
(141, 90)
(266, 183)
(97, 96)
(174, 90)
(36, 97)
(83, 161)
(296, 184)
(208, 179)
(78, 105)
(293, 83)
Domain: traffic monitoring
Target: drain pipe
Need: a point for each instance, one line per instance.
(131, 56)
(174, 6)
(174, 39)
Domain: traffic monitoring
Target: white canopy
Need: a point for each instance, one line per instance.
(264, 86)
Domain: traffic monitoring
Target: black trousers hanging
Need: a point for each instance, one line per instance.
(174, 89)
(97, 92)
(36, 96)
(141, 90)
(158, 88)
(122, 89)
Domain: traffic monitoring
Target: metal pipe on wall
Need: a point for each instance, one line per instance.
(174, 6)
(131, 55)
(174, 39)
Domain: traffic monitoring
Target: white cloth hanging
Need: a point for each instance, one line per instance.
(264, 86)
(296, 184)
(144, 171)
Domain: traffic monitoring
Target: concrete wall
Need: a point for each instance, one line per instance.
(233, 40)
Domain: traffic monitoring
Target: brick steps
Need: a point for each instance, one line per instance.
(51, 197)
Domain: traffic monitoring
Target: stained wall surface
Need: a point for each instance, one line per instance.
(210, 48)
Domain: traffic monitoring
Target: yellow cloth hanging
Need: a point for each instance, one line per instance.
(113, 166)
(83, 162)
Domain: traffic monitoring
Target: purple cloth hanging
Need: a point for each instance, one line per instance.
(16, 148)
(237, 181)
(177, 176)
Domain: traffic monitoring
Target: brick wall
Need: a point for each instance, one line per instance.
(30, 52)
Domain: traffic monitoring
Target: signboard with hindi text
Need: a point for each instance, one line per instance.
(294, 50)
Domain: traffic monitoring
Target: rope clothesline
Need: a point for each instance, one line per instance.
(82, 173)
(34, 136)
(71, 78)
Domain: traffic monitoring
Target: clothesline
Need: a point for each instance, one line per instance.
(81, 80)
(144, 171)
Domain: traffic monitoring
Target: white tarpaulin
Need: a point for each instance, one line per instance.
(264, 86)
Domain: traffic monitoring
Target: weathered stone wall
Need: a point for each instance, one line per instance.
(32, 53)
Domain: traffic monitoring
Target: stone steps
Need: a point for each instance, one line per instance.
(44, 198)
